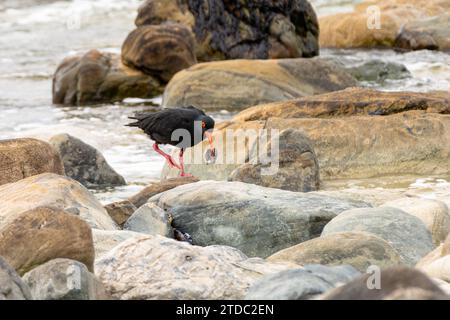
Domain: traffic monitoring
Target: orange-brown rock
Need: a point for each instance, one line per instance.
(22, 158)
(157, 12)
(43, 234)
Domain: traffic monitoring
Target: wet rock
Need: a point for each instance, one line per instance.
(239, 84)
(431, 33)
(150, 219)
(359, 29)
(155, 12)
(12, 287)
(349, 102)
(357, 147)
(357, 249)
(43, 234)
(84, 163)
(22, 158)
(122, 210)
(297, 169)
(155, 267)
(398, 283)
(379, 71)
(300, 284)
(248, 29)
(51, 190)
(159, 50)
(100, 77)
(434, 214)
(405, 233)
(64, 279)
(105, 240)
(256, 220)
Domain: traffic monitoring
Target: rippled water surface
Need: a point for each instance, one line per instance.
(36, 35)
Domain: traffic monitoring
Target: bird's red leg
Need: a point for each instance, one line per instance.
(165, 155)
(182, 173)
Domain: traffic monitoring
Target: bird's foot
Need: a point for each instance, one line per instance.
(186, 175)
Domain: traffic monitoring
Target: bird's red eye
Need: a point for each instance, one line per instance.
(203, 124)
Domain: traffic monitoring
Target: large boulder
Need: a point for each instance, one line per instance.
(64, 279)
(297, 168)
(51, 190)
(43, 234)
(433, 213)
(22, 158)
(397, 283)
(105, 240)
(250, 29)
(12, 287)
(349, 102)
(359, 29)
(159, 50)
(407, 234)
(437, 263)
(100, 77)
(84, 163)
(300, 284)
(358, 249)
(120, 211)
(415, 142)
(155, 267)
(239, 84)
(258, 221)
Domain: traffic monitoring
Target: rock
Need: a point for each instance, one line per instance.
(349, 102)
(300, 284)
(405, 233)
(431, 33)
(434, 214)
(12, 286)
(122, 210)
(150, 219)
(379, 71)
(64, 279)
(439, 268)
(100, 77)
(155, 12)
(238, 84)
(51, 190)
(359, 29)
(250, 30)
(155, 267)
(105, 240)
(22, 158)
(256, 220)
(43, 234)
(356, 147)
(357, 249)
(84, 163)
(255, 29)
(159, 50)
(298, 168)
(398, 283)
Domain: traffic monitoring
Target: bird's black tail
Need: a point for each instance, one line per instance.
(142, 119)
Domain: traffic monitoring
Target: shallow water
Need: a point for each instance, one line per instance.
(36, 35)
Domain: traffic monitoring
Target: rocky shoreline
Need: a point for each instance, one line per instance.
(232, 232)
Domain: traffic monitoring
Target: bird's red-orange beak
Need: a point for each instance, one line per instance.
(209, 135)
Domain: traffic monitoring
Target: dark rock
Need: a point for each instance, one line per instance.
(84, 163)
(12, 287)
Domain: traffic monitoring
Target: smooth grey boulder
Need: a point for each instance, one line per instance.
(150, 219)
(301, 284)
(105, 240)
(64, 279)
(84, 163)
(258, 221)
(407, 234)
(12, 287)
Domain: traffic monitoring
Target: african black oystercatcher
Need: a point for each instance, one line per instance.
(180, 127)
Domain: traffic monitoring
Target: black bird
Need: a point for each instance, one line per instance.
(162, 127)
